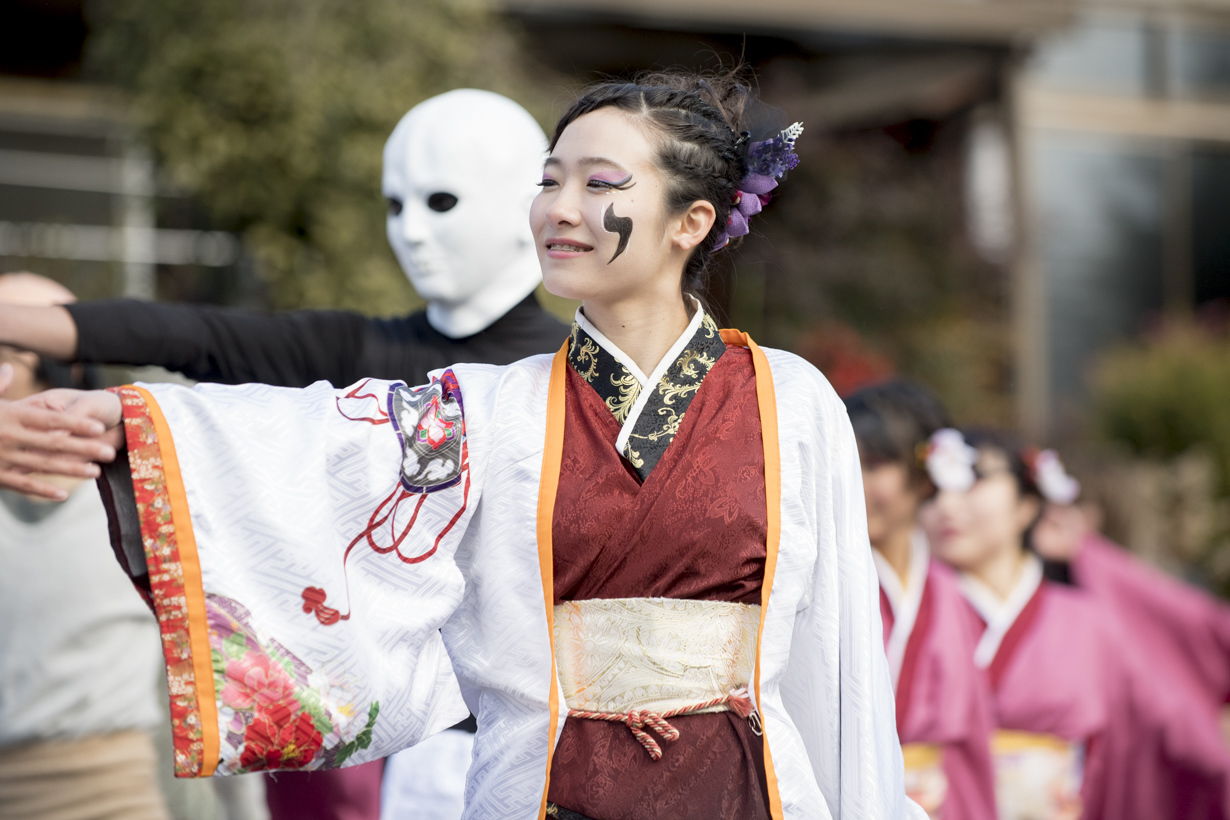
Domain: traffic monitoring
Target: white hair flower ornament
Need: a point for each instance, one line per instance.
(950, 461)
(1052, 479)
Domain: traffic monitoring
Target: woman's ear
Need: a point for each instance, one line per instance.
(694, 224)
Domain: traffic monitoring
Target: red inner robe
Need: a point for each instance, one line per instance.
(696, 529)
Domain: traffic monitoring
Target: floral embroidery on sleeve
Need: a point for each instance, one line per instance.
(275, 712)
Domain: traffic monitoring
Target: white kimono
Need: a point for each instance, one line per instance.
(340, 574)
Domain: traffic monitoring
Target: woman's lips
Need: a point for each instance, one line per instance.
(948, 533)
(566, 248)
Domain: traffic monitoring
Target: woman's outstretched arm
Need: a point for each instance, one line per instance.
(56, 432)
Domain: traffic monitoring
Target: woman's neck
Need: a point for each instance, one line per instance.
(897, 548)
(643, 329)
(1001, 572)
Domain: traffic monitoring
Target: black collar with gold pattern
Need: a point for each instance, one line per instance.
(649, 422)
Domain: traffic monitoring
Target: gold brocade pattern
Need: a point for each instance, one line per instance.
(583, 355)
(629, 391)
(659, 421)
(663, 411)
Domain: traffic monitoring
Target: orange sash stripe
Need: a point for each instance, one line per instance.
(194, 590)
(552, 458)
(766, 399)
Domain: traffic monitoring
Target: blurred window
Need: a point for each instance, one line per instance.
(1110, 56)
(1199, 62)
(1101, 225)
(1210, 212)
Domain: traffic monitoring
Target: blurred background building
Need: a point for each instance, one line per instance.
(1025, 203)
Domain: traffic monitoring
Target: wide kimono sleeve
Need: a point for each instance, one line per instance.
(1180, 629)
(297, 548)
(836, 686)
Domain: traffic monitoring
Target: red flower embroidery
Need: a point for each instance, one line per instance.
(274, 741)
(254, 680)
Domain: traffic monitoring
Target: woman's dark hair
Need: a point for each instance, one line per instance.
(697, 120)
(891, 419)
(1013, 449)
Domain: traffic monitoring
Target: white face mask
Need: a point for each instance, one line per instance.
(460, 172)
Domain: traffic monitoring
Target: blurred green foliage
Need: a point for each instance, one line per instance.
(274, 113)
(1168, 395)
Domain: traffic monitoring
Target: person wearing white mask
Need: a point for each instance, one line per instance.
(458, 166)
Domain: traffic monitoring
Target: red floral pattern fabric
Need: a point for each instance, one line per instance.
(166, 578)
(695, 529)
(273, 710)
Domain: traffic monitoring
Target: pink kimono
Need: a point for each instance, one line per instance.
(1062, 698)
(943, 705)
(1182, 636)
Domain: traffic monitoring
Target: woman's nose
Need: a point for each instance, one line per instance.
(563, 208)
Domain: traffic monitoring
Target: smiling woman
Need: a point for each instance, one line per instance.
(648, 574)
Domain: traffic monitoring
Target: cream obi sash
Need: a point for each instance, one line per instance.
(641, 660)
(925, 780)
(1037, 776)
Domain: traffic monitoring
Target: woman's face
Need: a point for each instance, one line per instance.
(600, 224)
(968, 529)
(892, 499)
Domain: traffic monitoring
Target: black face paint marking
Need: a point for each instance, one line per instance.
(621, 225)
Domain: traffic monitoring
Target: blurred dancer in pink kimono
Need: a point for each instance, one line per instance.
(943, 706)
(1062, 692)
(1182, 634)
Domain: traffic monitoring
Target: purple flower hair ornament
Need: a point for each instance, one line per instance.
(767, 162)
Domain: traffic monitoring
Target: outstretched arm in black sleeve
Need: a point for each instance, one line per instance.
(218, 344)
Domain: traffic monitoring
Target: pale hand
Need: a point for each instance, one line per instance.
(56, 432)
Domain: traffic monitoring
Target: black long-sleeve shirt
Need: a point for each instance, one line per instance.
(233, 346)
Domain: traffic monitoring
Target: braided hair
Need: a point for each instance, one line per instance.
(696, 120)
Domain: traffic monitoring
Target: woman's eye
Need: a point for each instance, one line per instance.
(441, 201)
(547, 183)
(394, 205)
(608, 185)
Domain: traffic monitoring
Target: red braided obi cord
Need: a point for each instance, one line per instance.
(640, 719)
(642, 661)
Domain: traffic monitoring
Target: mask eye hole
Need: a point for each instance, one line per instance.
(394, 206)
(441, 201)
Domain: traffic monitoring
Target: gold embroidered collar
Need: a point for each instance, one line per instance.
(649, 418)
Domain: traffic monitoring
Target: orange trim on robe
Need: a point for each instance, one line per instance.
(552, 458)
(176, 592)
(194, 589)
(766, 398)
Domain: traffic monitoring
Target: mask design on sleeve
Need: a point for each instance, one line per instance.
(621, 225)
